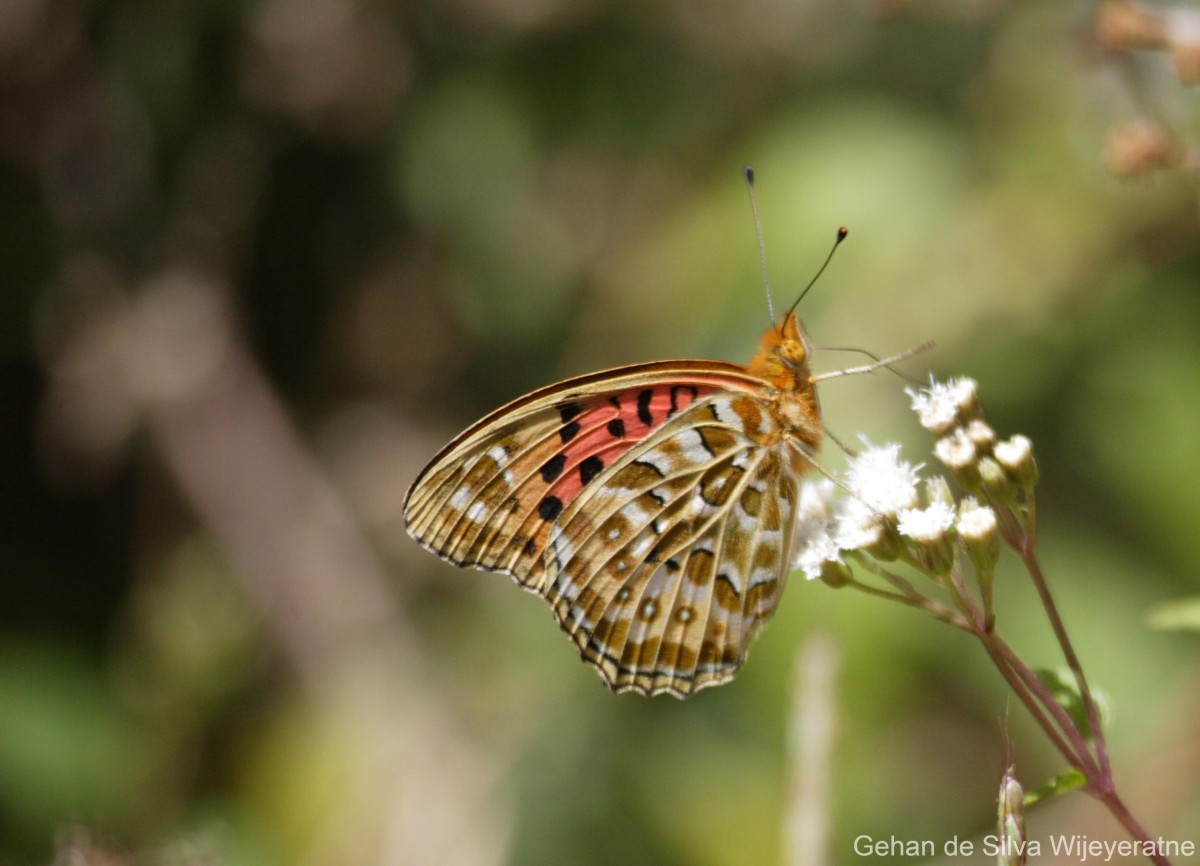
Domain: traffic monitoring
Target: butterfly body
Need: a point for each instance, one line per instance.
(652, 506)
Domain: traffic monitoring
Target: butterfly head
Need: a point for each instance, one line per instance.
(783, 356)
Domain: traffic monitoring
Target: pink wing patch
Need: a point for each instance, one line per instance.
(596, 434)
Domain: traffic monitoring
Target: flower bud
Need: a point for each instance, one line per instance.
(835, 573)
(1010, 821)
(958, 454)
(996, 483)
(1015, 454)
(980, 535)
(981, 435)
(966, 397)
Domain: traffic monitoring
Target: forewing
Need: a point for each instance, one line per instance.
(491, 497)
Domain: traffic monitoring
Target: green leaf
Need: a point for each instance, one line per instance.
(1065, 690)
(1067, 780)
(1183, 613)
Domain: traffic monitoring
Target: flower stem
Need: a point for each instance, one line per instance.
(1060, 632)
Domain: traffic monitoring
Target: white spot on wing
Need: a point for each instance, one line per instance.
(723, 411)
(762, 575)
(642, 546)
(745, 522)
(579, 618)
(460, 498)
(634, 513)
(692, 448)
(563, 551)
(658, 460)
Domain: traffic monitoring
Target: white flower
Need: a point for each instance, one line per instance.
(937, 489)
(975, 521)
(1014, 451)
(814, 543)
(817, 550)
(940, 406)
(956, 450)
(883, 481)
(1015, 454)
(816, 500)
(977, 527)
(982, 434)
(857, 525)
(926, 525)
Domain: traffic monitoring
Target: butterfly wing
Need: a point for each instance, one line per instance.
(651, 506)
(666, 568)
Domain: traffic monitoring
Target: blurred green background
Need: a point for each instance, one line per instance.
(258, 261)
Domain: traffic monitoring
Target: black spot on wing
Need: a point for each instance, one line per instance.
(643, 406)
(569, 432)
(675, 389)
(616, 428)
(725, 578)
(650, 465)
(590, 468)
(550, 507)
(569, 412)
(553, 468)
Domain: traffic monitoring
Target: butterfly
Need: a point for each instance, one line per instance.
(652, 506)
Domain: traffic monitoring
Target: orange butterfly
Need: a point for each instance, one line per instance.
(652, 506)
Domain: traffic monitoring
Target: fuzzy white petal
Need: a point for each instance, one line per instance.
(883, 481)
(926, 524)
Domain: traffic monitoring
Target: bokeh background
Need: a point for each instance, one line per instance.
(258, 261)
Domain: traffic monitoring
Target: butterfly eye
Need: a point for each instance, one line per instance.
(793, 353)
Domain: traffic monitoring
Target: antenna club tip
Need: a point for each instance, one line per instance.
(841, 233)
(748, 170)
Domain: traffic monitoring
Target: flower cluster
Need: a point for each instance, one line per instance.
(889, 514)
(880, 512)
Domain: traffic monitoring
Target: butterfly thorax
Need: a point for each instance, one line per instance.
(783, 362)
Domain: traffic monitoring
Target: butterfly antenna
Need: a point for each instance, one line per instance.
(841, 236)
(910, 379)
(762, 247)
